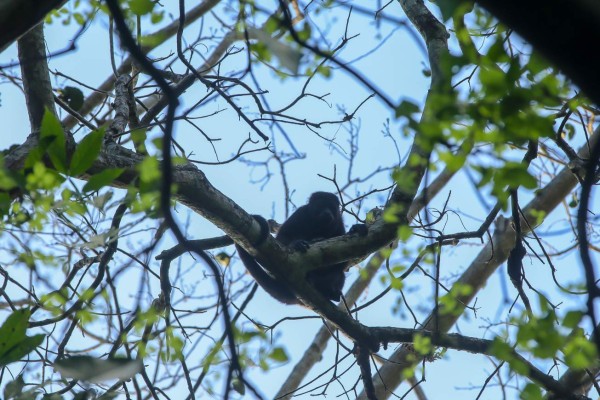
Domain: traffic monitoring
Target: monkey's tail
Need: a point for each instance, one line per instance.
(271, 285)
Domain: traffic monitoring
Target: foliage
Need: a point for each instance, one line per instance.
(15, 343)
(310, 97)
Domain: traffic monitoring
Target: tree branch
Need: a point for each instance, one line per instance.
(483, 266)
(19, 16)
(562, 34)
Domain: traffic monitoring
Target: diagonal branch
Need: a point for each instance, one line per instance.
(483, 266)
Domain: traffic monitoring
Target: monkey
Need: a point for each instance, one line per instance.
(319, 219)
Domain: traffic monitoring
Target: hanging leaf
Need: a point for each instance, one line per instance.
(52, 139)
(86, 152)
(102, 179)
(14, 343)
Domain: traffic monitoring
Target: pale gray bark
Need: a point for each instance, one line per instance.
(389, 376)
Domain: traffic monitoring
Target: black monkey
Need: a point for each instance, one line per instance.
(319, 219)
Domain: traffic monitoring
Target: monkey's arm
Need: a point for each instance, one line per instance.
(297, 227)
(359, 229)
(303, 245)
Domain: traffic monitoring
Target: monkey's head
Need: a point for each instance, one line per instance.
(326, 207)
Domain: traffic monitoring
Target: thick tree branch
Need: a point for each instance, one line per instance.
(19, 16)
(195, 191)
(472, 345)
(483, 266)
(36, 77)
(561, 32)
(314, 351)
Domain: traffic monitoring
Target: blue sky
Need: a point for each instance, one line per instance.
(396, 66)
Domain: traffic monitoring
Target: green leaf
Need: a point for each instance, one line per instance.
(153, 40)
(5, 203)
(531, 392)
(102, 179)
(141, 7)
(305, 33)
(14, 388)
(13, 329)
(8, 178)
(572, 319)
(494, 82)
(422, 344)
(537, 63)
(149, 170)
(238, 386)
(324, 71)
(35, 156)
(406, 109)
(579, 352)
(453, 161)
(21, 349)
(272, 24)
(404, 232)
(86, 152)
(396, 283)
(14, 343)
(175, 345)
(278, 354)
(513, 175)
(157, 17)
(501, 349)
(261, 51)
(518, 366)
(79, 18)
(497, 52)
(52, 137)
(449, 8)
(139, 140)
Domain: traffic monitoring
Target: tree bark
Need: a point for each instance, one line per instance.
(17, 17)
